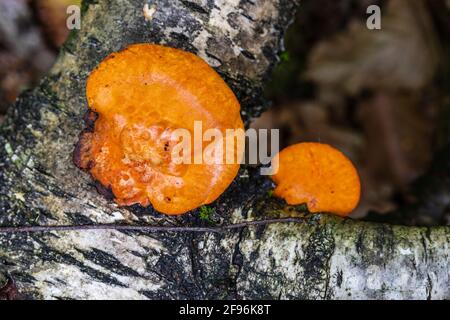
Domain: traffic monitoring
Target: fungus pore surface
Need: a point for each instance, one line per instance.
(139, 98)
(318, 175)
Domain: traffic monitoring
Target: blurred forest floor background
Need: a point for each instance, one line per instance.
(380, 96)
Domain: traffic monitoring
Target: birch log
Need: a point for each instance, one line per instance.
(322, 258)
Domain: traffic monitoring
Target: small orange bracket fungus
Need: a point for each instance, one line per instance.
(318, 175)
(138, 99)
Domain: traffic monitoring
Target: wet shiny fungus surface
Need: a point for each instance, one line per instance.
(139, 98)
(318, 175)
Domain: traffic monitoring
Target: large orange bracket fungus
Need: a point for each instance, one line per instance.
(139, 98)
(318, 175)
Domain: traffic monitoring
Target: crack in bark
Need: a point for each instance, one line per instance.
(429, 287)
(8, 290)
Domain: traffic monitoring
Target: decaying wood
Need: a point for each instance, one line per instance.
(321, 258)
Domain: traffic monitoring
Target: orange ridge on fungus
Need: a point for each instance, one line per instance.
(318, 175)
(138, 97)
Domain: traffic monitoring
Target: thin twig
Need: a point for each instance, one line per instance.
(217, 229)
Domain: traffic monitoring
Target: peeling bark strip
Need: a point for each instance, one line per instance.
(325, 257)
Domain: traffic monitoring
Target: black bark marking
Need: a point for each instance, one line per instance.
(237, 260)
(109, 262)
(318, 253)
(79, 218)
(360, 243)
(423, 239)
(194, 7)
(339, 278)
(382, 240)
(248, 55)
(49, 254)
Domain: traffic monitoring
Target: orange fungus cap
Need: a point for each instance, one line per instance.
(318, 175)
(141, 96)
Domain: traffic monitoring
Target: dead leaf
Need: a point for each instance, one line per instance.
(9, 291)
(403, 55)
(53, 16)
